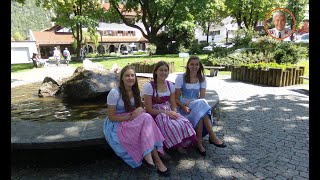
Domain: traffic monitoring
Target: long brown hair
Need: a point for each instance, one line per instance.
(135, 90)
(200, 73)
(160, 63)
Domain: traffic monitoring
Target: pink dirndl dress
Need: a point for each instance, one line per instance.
(177, 132)
(132, 140)
(139, 136)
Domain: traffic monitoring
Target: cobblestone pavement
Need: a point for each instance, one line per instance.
(266, 130)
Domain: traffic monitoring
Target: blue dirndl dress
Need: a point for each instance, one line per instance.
(199, 107)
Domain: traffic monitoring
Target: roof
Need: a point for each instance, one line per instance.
(53, 28)
(49, 37)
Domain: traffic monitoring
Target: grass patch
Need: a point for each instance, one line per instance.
(21, 67)
(123, 61)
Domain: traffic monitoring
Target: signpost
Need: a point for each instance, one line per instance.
(183, 55)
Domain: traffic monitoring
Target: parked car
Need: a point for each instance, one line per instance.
(228, 45)
(241, 50)
(124, 52)
(207, 48)
(303, 38)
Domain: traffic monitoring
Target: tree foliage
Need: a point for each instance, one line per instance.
(213, 12)
(74, 14)
(154, 15)
(298, 9)
(251, 11)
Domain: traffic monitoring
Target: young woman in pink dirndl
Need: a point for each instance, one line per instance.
(128, 129)
(159, 97)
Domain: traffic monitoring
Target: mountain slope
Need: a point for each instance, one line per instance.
(28, 16)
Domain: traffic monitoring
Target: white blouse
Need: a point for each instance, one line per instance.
(179, 82)
(148, 90)
(114, 95)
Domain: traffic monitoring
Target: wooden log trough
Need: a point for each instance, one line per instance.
(271, 77)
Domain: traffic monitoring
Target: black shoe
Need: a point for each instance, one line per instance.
(164, 173)
(202, 153)
(218, 145)
(147, 165)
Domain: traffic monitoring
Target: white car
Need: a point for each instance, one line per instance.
(208, 48)
(303, 38)
(229, 45)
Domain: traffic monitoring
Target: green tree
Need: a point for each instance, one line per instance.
(212, 13)
(298, 9)
(251, 11)
(18, 37)
(153, 14)
(90, 35)
(73, 14)
(182, 33)
(151, 49)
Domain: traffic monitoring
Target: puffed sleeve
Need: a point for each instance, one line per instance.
(204, 83)
(147, 89)
(179, 81)
(113, 97)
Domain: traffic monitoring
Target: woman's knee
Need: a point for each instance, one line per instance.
(146, 116)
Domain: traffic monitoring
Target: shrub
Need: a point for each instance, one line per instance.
(196, 48)
(244, 37)
(151, 49)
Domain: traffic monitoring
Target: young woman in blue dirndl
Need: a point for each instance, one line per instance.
(190, 93)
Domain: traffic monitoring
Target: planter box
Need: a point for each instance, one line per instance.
(148, 68)
(271, 77)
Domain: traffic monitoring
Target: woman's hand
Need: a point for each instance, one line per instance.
(137, 112)
(186, 109)
(172, 114)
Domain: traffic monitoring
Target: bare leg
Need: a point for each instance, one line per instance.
(158, 161)
(212, 135)
(199, 136)
(165, 156)
(149, 159)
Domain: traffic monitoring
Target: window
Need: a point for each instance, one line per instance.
(120, 33)
(213, 33)
(131, 33)
(107, 33)
(260, 23)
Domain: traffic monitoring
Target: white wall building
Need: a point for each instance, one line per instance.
(21, 51)
(218, 32)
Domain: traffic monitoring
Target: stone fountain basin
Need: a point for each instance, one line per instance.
(48, 135)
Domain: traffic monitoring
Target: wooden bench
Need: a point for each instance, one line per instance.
(304, 77)
(54, 62)
(213, 70)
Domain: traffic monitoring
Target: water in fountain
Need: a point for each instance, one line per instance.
(26, 105)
